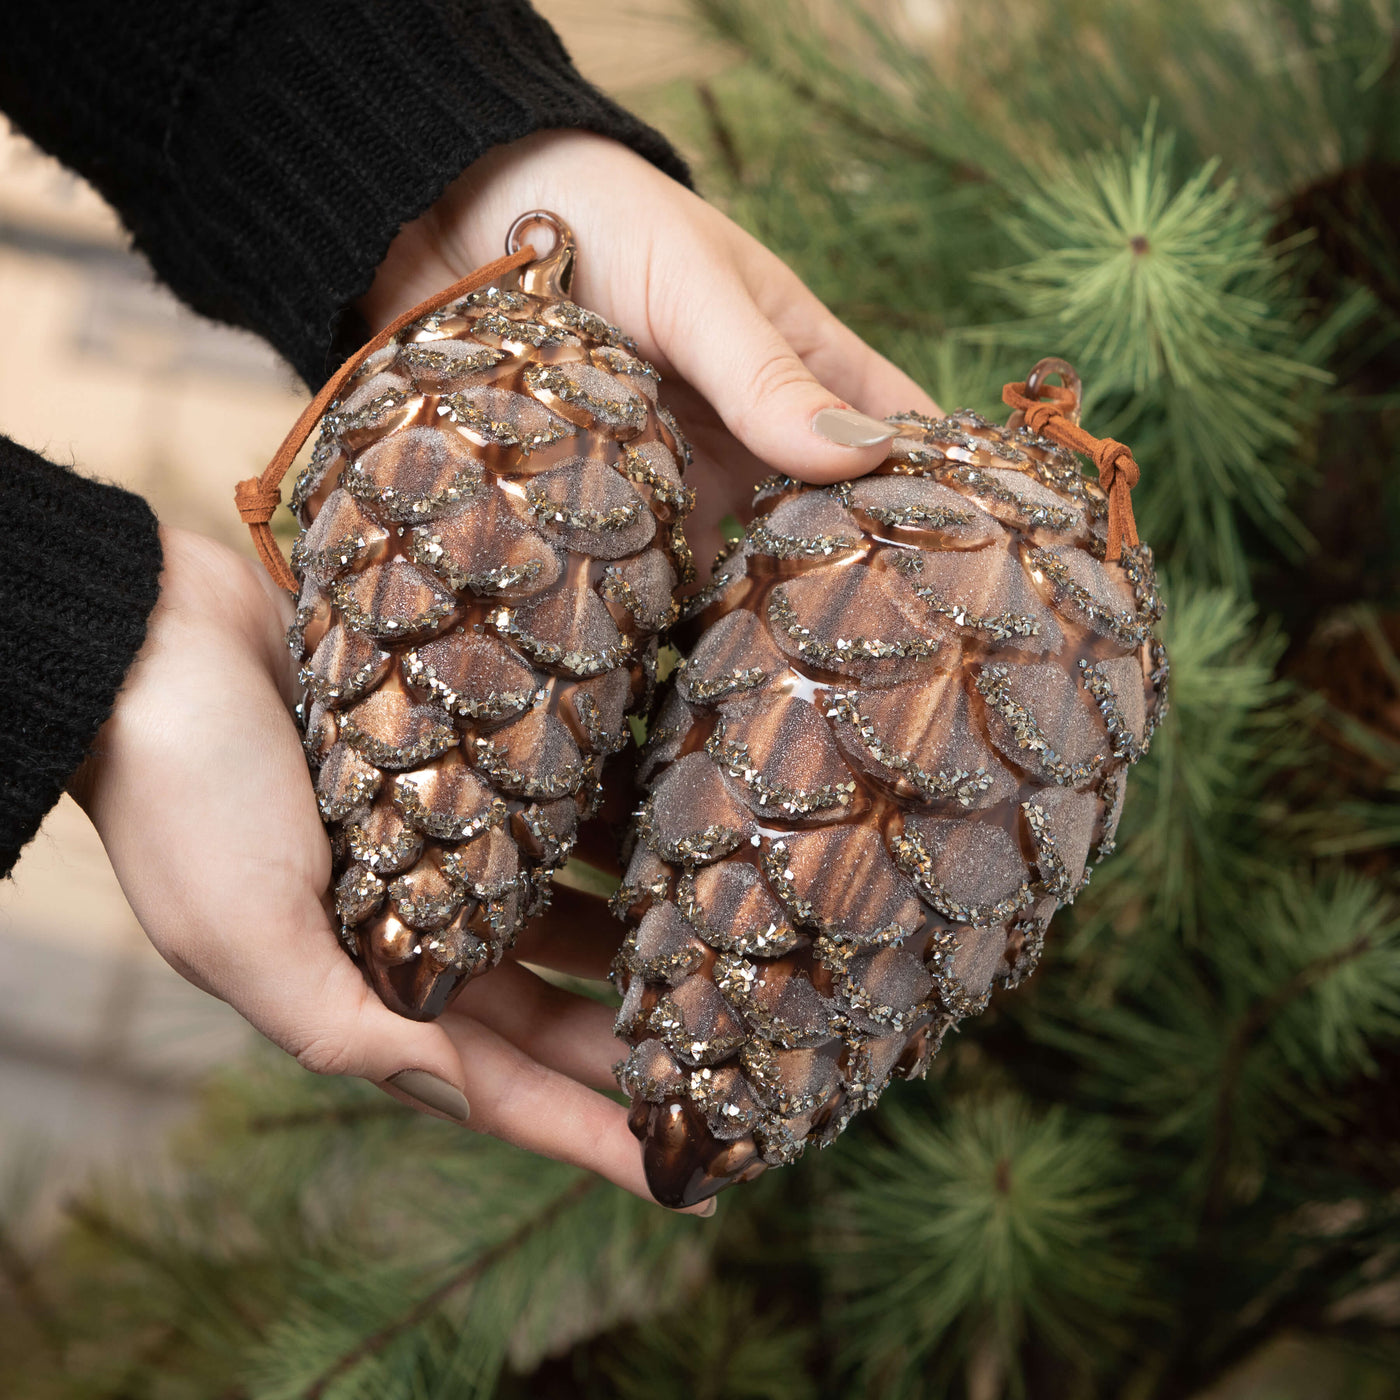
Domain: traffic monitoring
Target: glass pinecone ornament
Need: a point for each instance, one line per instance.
(491, 538)
(896, 748)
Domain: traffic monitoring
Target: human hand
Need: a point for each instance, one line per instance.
(752, 362)
(200, 792)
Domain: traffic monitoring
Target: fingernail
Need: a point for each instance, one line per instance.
(709, 1208)
(847, 428)
(432, 1092)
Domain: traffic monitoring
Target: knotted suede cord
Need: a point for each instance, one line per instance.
(258, 498)
(1118, 472)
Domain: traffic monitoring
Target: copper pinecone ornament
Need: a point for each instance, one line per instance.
(491, 537)
(900, 740)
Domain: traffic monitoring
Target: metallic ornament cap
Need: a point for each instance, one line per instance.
(553, 274)
(684, 1162)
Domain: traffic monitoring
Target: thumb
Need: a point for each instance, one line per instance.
(293, 982)
(721, 342)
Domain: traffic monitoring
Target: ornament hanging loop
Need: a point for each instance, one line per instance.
(258, 497)
(1054, 413)
(552, 275)
(1035, 382)
(1065, 400)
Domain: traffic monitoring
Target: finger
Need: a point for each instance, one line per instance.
(578, 936)
(318, 1007)
(723, 472)
(833, 352)
(558, 1029)
(520, 1101)
(840, 358)
(712, 331)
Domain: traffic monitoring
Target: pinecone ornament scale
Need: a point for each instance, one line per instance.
(896, 749)
(491, 539)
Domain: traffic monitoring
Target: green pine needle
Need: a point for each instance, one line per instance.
(723, 1345)
(1171, 301)
(1191, 831)
(994, 1217)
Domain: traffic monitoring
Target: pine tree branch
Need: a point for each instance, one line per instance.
(848, 116)
(100, 1224)
(1190, 1365)
(1308, 1309)
(721, 133)
(147, 1360)
(1389, 77)
(16, 1269)
(1251, 1026)
(850, 119)
(375, 1343)
(338, 1117)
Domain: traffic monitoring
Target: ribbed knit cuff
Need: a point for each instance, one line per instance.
(307, 135)
(80, 580)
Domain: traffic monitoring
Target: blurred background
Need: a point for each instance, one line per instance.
(1170, 1165)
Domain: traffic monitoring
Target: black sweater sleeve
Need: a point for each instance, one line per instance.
(81, 575)
(262, 153)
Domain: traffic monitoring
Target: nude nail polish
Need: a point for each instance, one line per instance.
(848, 428)
(432, 1092)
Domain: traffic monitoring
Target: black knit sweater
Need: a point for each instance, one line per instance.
(263, 155)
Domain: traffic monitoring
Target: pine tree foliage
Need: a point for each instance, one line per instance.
(1157, 277)
(326, 1243)
(1366, 816)
(1177, 1146)
(969, 1232)
(1253, 1030)
(1198, 827)
(721, 1345)
(1172, 298)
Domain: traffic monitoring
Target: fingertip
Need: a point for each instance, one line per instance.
(841, 443)
(849, 427)
(427, 1090)
(704, 1210)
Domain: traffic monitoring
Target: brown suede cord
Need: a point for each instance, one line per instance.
(1118, 472)
(257, 498)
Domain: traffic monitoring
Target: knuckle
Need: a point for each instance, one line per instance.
(326, 1052)
(776, 375)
